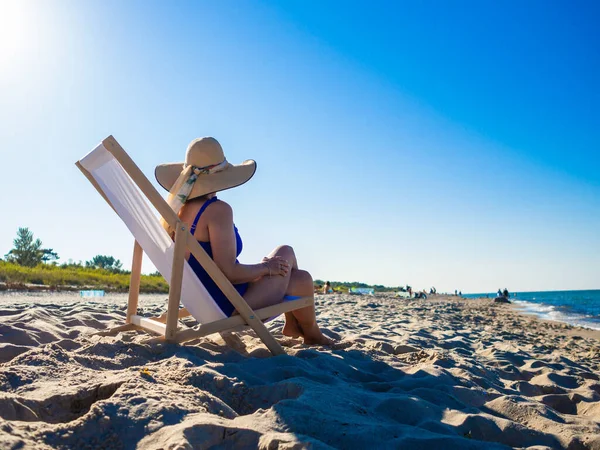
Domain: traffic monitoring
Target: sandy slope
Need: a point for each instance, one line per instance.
(440, 373)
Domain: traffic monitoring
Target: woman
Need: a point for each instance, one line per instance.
(192, 187)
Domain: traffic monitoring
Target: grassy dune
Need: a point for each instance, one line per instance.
(74, 277)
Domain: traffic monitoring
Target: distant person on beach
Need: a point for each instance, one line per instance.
(502, 296)
(327, 288)
(192, 187)
(455, 291)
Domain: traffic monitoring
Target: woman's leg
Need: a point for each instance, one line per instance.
(270, 290)
(296, 287)
(303, 322)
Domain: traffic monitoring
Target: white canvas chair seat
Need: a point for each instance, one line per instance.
(133, 208)
(132, 196)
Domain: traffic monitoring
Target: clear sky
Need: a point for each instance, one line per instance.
(453, 144)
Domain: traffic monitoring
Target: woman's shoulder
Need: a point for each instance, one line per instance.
(221, 206)
(219, 210)
(216, 208)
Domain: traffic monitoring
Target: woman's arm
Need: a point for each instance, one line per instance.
(223, 244)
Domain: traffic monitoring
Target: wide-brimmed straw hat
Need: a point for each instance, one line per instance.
(206, 157)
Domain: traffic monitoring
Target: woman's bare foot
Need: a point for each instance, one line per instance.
(291, 327)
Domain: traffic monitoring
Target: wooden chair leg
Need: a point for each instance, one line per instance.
(176, 281)
(134, 284)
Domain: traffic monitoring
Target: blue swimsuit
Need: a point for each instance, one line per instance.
(219, 297)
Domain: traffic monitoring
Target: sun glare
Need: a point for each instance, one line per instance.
(16, 26)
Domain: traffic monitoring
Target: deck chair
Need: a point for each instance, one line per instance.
(131, 195)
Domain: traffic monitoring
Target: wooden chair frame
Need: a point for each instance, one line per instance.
(168, 329)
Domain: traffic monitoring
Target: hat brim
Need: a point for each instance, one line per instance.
(232, 176)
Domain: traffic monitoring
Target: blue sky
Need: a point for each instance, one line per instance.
(453, 144)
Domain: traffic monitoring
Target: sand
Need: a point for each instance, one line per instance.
(436, 373)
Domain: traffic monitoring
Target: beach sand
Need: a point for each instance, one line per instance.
(437, 373)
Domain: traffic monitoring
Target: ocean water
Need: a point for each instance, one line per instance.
(581, 308)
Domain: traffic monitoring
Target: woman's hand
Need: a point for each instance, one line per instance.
(276, 265)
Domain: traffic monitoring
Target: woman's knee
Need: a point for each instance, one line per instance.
(286, 252)
(301, 283)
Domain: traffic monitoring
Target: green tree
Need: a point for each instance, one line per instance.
(105, 262)
(29, 252)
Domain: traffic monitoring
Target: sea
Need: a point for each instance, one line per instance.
(580, 308)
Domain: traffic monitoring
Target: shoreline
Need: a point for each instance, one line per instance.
(571, 330)
(578, 330)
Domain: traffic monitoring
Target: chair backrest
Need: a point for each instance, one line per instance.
(141, 218)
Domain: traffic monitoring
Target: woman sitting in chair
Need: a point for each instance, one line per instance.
(192, 187)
